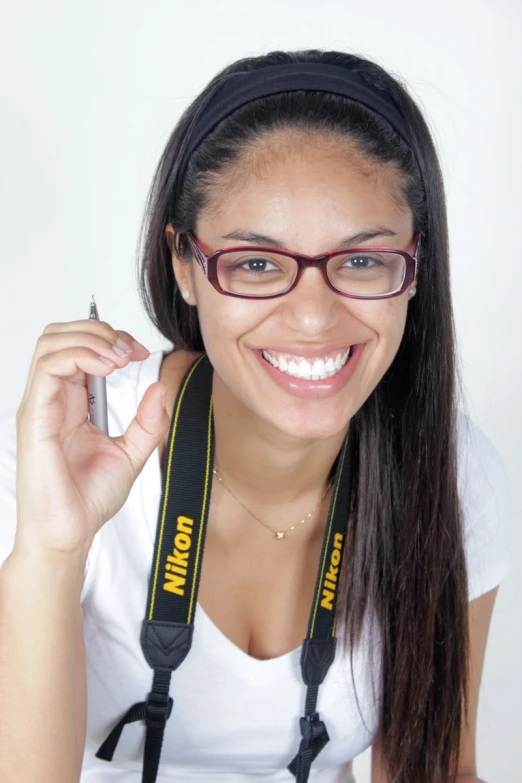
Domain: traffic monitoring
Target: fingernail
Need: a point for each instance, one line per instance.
(121, 347)
(139, 347)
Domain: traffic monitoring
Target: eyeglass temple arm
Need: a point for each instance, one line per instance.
(198, 254)
(417, 247)
(416, 253)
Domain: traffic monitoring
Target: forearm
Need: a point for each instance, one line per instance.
(39, 616)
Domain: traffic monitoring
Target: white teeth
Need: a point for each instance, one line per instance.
(319, 369)
(304, 369)
(330, 365)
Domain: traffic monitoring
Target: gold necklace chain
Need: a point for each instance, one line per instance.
(279, 535)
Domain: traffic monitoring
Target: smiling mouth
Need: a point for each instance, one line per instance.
(316, 369)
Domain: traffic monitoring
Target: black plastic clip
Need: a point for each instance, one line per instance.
(158, 707)
(313, 730)
(314, 738)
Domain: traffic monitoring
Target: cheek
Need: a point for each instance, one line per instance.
(224, 320)
(387, 318)
(390, 327)
(393, 319)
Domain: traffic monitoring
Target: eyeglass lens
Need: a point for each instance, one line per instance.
(265, 274)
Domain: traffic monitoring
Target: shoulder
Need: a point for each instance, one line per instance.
(178, 362)
(485, 496)
(475, 450)
(482, 475)
(172, 371)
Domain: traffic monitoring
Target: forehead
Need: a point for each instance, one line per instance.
(298, 178)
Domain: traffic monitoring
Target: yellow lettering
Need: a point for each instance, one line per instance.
(330, 581)
(326, 603)
(179, 559)
(174, 584)
(175, 569)
(185, 524)
(177, 562)
(332, 574)
(182, 541)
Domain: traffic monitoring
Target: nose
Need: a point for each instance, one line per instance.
(312, 307)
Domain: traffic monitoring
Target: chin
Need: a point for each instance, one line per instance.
(308, 422)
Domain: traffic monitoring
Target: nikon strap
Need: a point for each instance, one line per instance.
(166, 634)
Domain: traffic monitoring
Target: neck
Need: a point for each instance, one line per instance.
(262, 464)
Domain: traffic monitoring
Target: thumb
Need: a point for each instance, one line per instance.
(147, 428)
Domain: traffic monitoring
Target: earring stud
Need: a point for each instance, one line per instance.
(412, 292)
(186, 294)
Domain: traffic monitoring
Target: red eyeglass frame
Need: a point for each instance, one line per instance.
(208, 264)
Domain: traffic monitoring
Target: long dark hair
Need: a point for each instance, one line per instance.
(404, 555)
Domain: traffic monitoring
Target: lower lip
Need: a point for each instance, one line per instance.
(302, 387)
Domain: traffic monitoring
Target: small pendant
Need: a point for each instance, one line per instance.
(279, 536)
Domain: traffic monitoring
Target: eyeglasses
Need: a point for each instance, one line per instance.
(251, 272)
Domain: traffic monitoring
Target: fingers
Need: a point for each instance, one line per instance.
(68, 351)
(95, 334)
(72, 477)
(146, 429)
(100, 328)
(117, 349)
(45, 400)
(98, 336)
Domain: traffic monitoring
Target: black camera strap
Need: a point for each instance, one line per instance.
(166, 635)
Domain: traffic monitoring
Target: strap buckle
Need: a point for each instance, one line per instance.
(312, 728)
(314, 738)
(158, 707)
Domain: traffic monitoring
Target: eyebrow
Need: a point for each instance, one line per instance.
(353, 240)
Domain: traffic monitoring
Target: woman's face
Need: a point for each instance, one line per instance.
(309, 197)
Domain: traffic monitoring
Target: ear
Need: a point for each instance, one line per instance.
(182, 269)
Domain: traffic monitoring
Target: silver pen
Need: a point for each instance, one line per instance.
(97, 388)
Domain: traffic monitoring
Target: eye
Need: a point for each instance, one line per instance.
(243, 271)
(359, 262)
(258, 264)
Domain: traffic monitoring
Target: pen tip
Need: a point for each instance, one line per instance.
(93, 310)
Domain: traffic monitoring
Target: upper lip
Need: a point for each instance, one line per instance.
(308, 351)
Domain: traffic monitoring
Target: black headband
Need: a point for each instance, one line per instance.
(247, 86)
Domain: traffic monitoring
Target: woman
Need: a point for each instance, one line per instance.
(353, 355)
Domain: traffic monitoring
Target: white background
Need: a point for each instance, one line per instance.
(89, 94)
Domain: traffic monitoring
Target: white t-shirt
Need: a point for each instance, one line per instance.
(235, 718)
